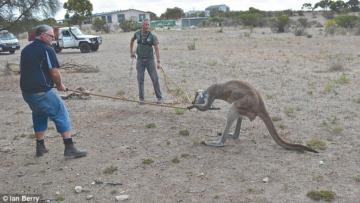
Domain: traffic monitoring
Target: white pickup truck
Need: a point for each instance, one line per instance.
(72, 37)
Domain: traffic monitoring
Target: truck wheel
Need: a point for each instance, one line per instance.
(85, 48)
(12, 51)
(94, 47)
(57, 49)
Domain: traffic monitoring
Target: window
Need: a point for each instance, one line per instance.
(141, 17)
(109, 19)
(121, 18)
(66, 33)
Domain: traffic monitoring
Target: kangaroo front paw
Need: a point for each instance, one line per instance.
(232, 136)
(213, 143)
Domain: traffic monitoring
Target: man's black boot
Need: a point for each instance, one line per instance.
(71, 152)
(40, 148)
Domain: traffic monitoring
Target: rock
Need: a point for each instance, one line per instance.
(265, 180)
(321, 162)
(89, 197)
(201, 174)
(78, 189)
(121, 197)
(57, 193)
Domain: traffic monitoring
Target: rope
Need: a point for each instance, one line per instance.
(128, 100)
(167, 80)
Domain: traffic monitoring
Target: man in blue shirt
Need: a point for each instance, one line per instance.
(38, 75)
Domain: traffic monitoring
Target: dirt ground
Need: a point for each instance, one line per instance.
(141, 146)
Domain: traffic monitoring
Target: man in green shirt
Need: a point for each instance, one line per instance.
(146, 43)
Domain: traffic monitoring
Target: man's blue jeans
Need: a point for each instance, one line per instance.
(149, 65)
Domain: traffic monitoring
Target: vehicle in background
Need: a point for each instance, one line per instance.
(8, 42)
(72, 38)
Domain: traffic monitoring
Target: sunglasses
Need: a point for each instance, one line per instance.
(52, 36)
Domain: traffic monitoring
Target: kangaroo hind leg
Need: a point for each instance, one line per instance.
(236, 133)
(232, 116)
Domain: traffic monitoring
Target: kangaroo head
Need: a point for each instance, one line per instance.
(201, 97)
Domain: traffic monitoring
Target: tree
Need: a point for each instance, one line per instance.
(12, 12)
(324, 4)
(153, 16)
(80, 9)
(338, 5)
(173, 13)
(354, 5)
(307, 6)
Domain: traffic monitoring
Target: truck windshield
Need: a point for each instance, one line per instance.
(76, 31)
(7, 36)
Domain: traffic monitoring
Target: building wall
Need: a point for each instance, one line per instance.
(112, 18)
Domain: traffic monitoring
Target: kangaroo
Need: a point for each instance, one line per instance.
(245, 101)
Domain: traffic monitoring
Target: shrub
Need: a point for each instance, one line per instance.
(98, 24)
(330, 27)
(128, 26)
(218, 21)
(347, 21)
(303, 22)
(280, 23)
(252, 19)
(299, 30)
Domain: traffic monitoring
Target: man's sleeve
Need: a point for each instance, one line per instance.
(134, 37)
(51, 59)
(155, 40)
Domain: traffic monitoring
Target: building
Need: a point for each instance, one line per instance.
(193, 13)
(190, 22)
(117, 17)
(216, 8)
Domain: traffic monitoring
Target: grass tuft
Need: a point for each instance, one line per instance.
(184, 132)
(110, 170)
(151, 125)
(357, 178)
(318, 195)
(316, 143)
(148, 161)
(175, 160)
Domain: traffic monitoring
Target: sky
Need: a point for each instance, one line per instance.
(160, 6)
